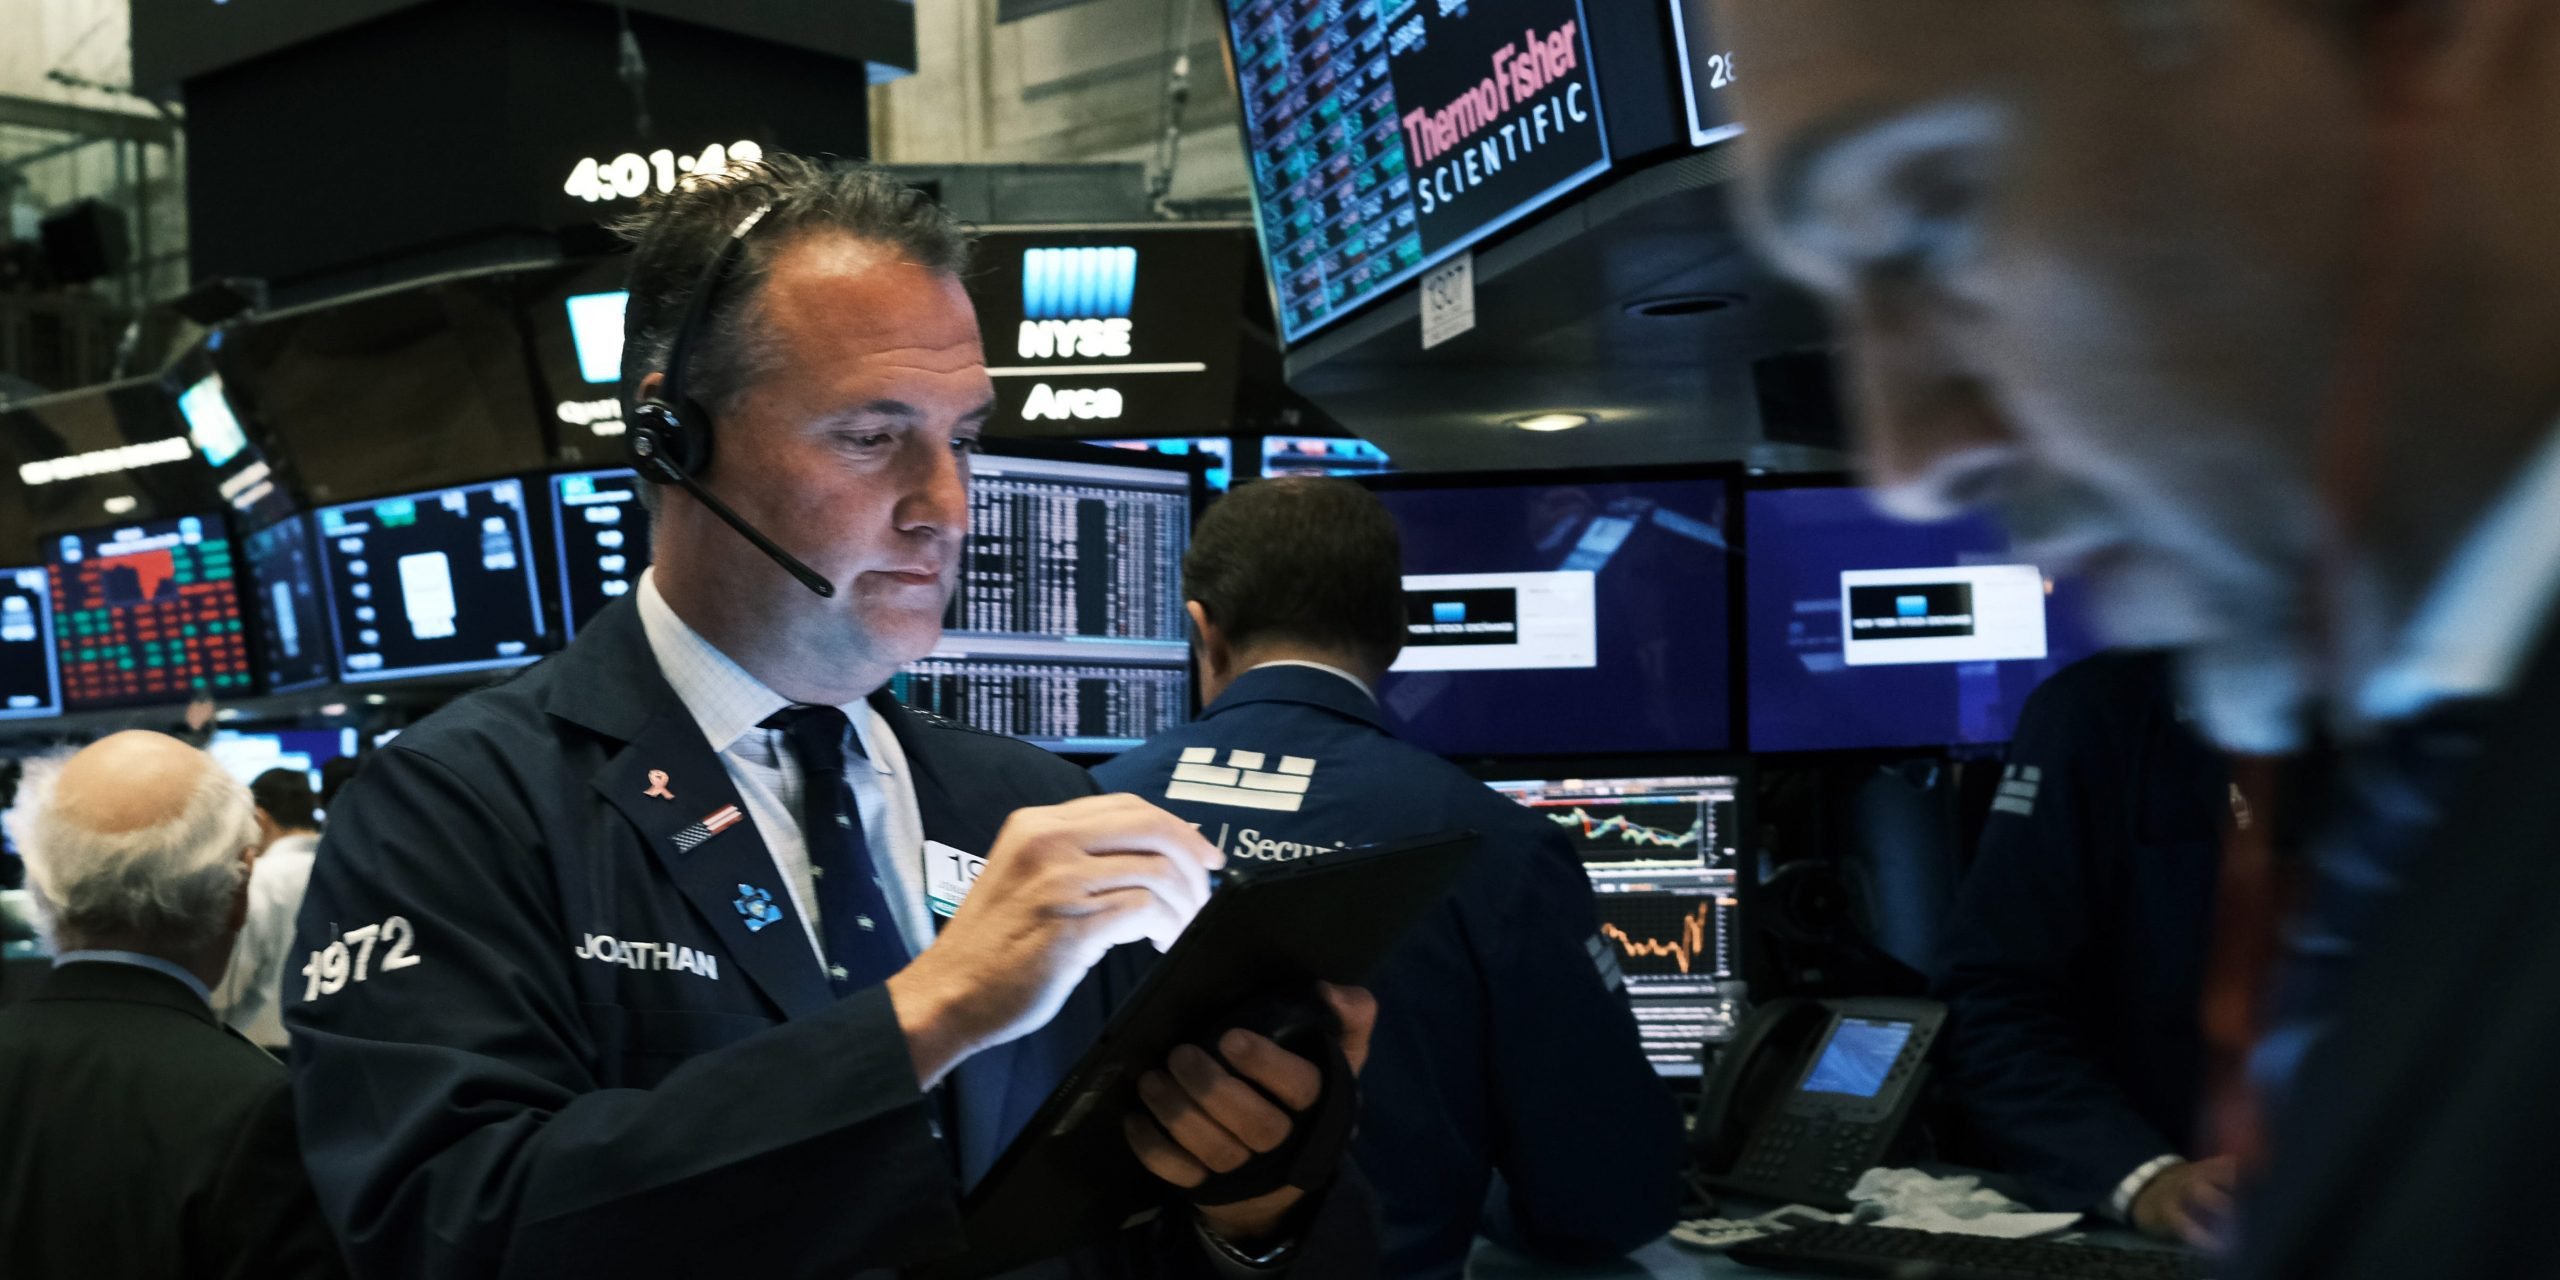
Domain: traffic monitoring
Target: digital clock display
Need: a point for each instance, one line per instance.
(631, 175)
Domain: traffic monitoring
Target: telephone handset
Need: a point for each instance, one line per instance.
(1812, 1093)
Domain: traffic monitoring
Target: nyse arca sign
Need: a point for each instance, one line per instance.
(1111, 329)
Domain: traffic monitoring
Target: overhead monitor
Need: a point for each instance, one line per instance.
(121, 451)
(1321, 456)
(1219, 450)
(30, 671)
(293, 615)
(600, 533)
(1596, 598)
(595, 326)
(432, 583)
(1708, 73)
(1866, 632)
(1116, 330)
(1386, 138)
(147, 613)
(1661, 854)
(1066, 626)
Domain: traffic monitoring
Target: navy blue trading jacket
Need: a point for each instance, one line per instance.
(2073, 964)
(561, 1017)
(1499, 1049)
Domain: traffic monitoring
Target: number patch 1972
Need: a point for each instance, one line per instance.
(350, 958)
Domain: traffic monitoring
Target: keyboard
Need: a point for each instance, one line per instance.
(1897, 1254)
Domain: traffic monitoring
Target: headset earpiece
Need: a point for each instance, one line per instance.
(660, 433)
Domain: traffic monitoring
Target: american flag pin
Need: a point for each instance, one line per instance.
(712, 824)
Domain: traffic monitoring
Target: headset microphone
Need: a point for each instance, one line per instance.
(669, 439)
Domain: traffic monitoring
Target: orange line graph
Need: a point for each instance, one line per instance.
(1692, 943)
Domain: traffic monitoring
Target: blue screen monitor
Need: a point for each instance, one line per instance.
(1563, 614)
(1219, 450)
(1322, 456)
(293, 615)
(30, 676)
(431, 583)
(1863, 632)
(600, 533)
(595, 325)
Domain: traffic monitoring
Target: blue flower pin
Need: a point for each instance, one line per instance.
(757, 906)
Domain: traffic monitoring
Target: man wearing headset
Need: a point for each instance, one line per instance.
(630, 965)
(2252, 309)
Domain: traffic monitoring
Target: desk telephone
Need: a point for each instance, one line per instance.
(1812, 1093)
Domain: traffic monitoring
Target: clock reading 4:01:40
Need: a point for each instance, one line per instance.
(631, 175)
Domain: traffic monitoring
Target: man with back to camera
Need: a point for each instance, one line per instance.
(138, 1137)
(2249, 307)
(250, 995)
(599, 980)
(2073, 962)
(1505, 1064)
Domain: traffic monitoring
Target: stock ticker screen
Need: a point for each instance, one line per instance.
(600, 533)
(1661, 854)
(147, 613)
(1386, 135)
(431, 583)
(30, 677)
(293, 617)
(1066, 627)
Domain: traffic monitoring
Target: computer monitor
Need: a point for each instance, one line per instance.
(240, 469)
(30, 672)
(1662, 856)
(1066, 627)
(147, 613)
(1321, 456)
(1572, 613)
(1219, 450)
(246, 755)
(431, 583)
(595, 326)
(1863, 632)
(293, 615)
(600, 534)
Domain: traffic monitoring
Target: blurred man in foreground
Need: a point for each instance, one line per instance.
(140, 1138)
(2249, 308)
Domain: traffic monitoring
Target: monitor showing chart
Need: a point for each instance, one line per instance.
(30, 674)
(293, 615)
(432, 583)
(147, 613)
(1868, 632)
(1599, 599)
(1066, 625)
(600, 534)
(1662, 857)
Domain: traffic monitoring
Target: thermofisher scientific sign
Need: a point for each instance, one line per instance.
(1111, 331)
(1389, 134)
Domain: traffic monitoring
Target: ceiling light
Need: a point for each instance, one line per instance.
(122, 503)
(375, 699)
(1552, 421)
(333, 709)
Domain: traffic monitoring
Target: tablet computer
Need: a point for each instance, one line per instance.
(1069, 1179)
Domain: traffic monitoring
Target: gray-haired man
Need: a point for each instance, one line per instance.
(142, 1138)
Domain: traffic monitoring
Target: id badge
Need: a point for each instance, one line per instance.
(948, 873)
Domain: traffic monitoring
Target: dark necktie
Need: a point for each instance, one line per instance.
(2387, 797)
(855, 927)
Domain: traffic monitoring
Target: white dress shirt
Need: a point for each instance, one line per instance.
(2477, 626)
(251, 997)
(730, 706)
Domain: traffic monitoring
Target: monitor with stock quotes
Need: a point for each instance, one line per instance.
(432, 583)
(147, 613)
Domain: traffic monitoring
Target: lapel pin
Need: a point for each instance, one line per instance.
(658, 786)
(712, 824)
(757, 906)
